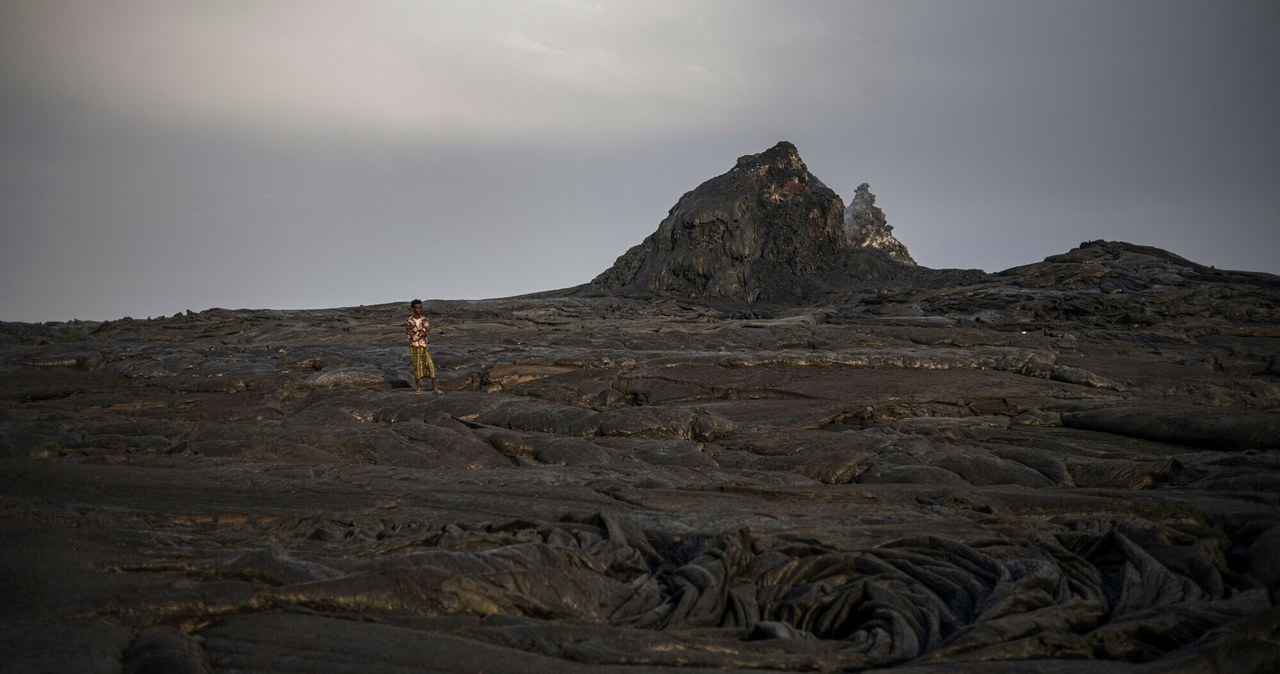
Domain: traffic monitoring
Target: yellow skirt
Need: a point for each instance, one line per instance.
(422, 364)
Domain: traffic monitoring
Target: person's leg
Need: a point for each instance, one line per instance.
(431, 372)
(416, 352)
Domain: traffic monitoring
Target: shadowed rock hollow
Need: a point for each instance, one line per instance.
(1070, 466)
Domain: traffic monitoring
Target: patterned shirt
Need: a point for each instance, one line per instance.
(417, 327)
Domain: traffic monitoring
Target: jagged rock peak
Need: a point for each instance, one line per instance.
(866, 226)
(767, 228)
(784, 154)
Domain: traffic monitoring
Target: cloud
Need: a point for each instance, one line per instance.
(699, 72)
(417, 69)
(514, 39)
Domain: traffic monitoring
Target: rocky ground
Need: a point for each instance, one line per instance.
(1070, 466)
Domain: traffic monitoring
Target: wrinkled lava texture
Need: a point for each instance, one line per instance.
(1067, 467)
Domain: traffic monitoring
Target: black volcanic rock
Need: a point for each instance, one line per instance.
(1119, 285)
(768, 231)
(1117, 266)
(1032, 473)
(866, 226)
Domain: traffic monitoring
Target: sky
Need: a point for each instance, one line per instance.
(158, 156)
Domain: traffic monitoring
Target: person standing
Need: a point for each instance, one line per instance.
(417, 327)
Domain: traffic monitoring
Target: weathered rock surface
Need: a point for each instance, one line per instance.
(866, 226)
(1071, 466)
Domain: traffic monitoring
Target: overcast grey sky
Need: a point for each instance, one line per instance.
(163, 155)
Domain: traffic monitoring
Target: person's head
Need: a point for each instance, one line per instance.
(416, 306)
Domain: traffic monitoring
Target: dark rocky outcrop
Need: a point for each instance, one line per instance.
(866, 226)
(768, 231)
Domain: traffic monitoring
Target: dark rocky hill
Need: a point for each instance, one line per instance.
(1068, 466)
(1109, 284)
(767, 232)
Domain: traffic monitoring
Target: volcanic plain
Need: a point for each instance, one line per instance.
(1068, 466)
